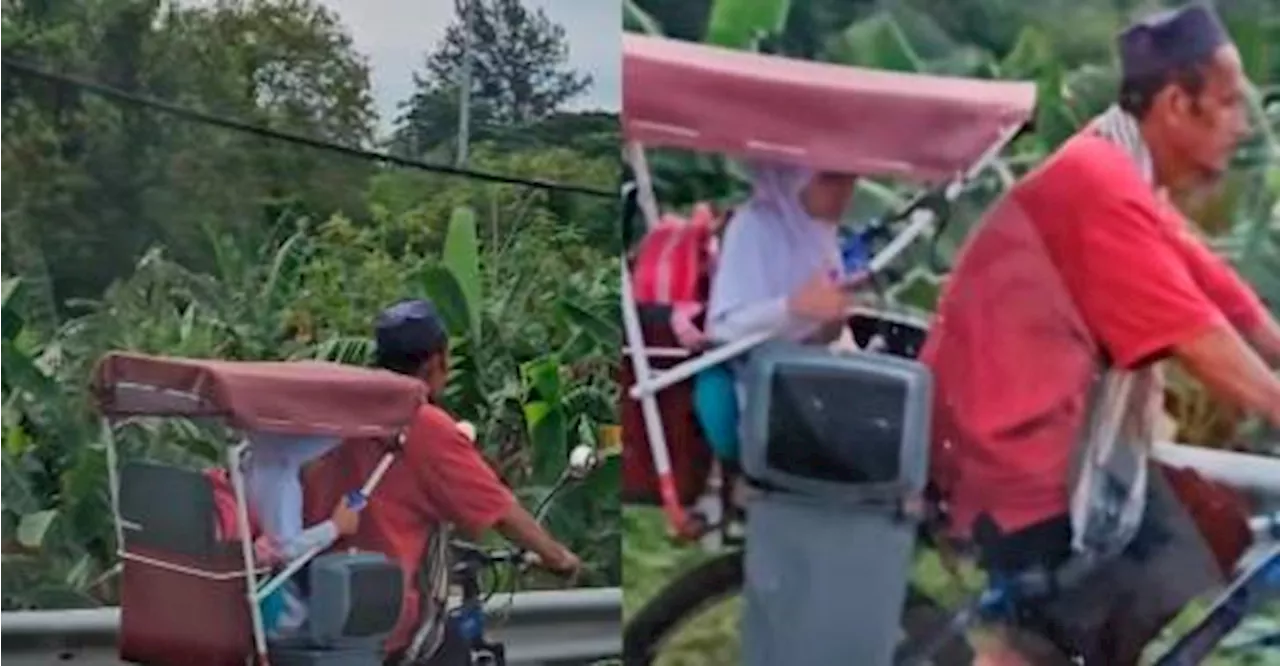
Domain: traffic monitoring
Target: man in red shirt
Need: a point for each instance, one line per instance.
(1085, 265)
(439, 479)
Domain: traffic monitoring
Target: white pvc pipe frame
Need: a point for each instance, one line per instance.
(648, 382)
(253, 593)
(1246, 471)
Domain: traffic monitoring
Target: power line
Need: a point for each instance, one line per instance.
(126, 97)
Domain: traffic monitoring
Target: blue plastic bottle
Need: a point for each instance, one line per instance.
(855, 254)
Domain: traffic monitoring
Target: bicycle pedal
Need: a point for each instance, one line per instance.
(735, 532)
(488, 654)
(694, 528)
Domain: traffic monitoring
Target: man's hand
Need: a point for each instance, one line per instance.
(345, 518)
(820, 299)
(568, 566)
(564, 564)
(521, 528)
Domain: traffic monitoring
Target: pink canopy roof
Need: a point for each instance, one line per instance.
(296, 398)
(832, 117)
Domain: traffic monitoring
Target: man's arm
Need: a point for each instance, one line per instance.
(1233, 296)
(1146, 295)
(469, 494)
(1229, 368)
(520, 527)
(1265, 338)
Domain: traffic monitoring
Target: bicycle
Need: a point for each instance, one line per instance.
(935, 635)
(469, 561)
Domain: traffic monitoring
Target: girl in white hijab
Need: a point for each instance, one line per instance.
(780, 267)
(779, 270)
(274, 485)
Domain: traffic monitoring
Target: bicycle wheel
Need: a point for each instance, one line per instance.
(682, 602)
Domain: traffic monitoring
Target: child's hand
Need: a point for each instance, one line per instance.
(467, 430)
(346, 518)
(265, 551)
(821, 299)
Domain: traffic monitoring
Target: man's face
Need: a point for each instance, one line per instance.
(1204, 130)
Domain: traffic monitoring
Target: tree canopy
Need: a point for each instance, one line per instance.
(519, 76)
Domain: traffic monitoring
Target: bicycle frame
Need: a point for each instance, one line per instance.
(1245, 593)
(468, 618)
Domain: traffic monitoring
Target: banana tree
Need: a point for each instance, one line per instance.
(742, 24)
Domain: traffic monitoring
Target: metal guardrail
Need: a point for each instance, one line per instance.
(538, 628)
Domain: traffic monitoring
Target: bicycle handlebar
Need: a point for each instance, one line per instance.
(470, 557)
(470, 554)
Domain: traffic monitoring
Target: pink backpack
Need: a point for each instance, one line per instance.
(226, 522)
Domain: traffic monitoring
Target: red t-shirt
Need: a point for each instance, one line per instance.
(1078, 261)
(439, 477)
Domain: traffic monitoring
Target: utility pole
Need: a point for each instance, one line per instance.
(464, 102)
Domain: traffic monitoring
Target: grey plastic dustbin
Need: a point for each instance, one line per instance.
(355, 600)
(838, 445)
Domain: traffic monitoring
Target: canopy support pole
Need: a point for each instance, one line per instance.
(246, 550)
(655, 434)
(644, 181)
(113, 480)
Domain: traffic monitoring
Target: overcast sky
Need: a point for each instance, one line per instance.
(397, 34)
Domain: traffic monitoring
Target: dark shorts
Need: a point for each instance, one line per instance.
(1111, 616)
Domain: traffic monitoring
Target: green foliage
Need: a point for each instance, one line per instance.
(651, 561)
(741, 23)
(93, 184)
(462, 261)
